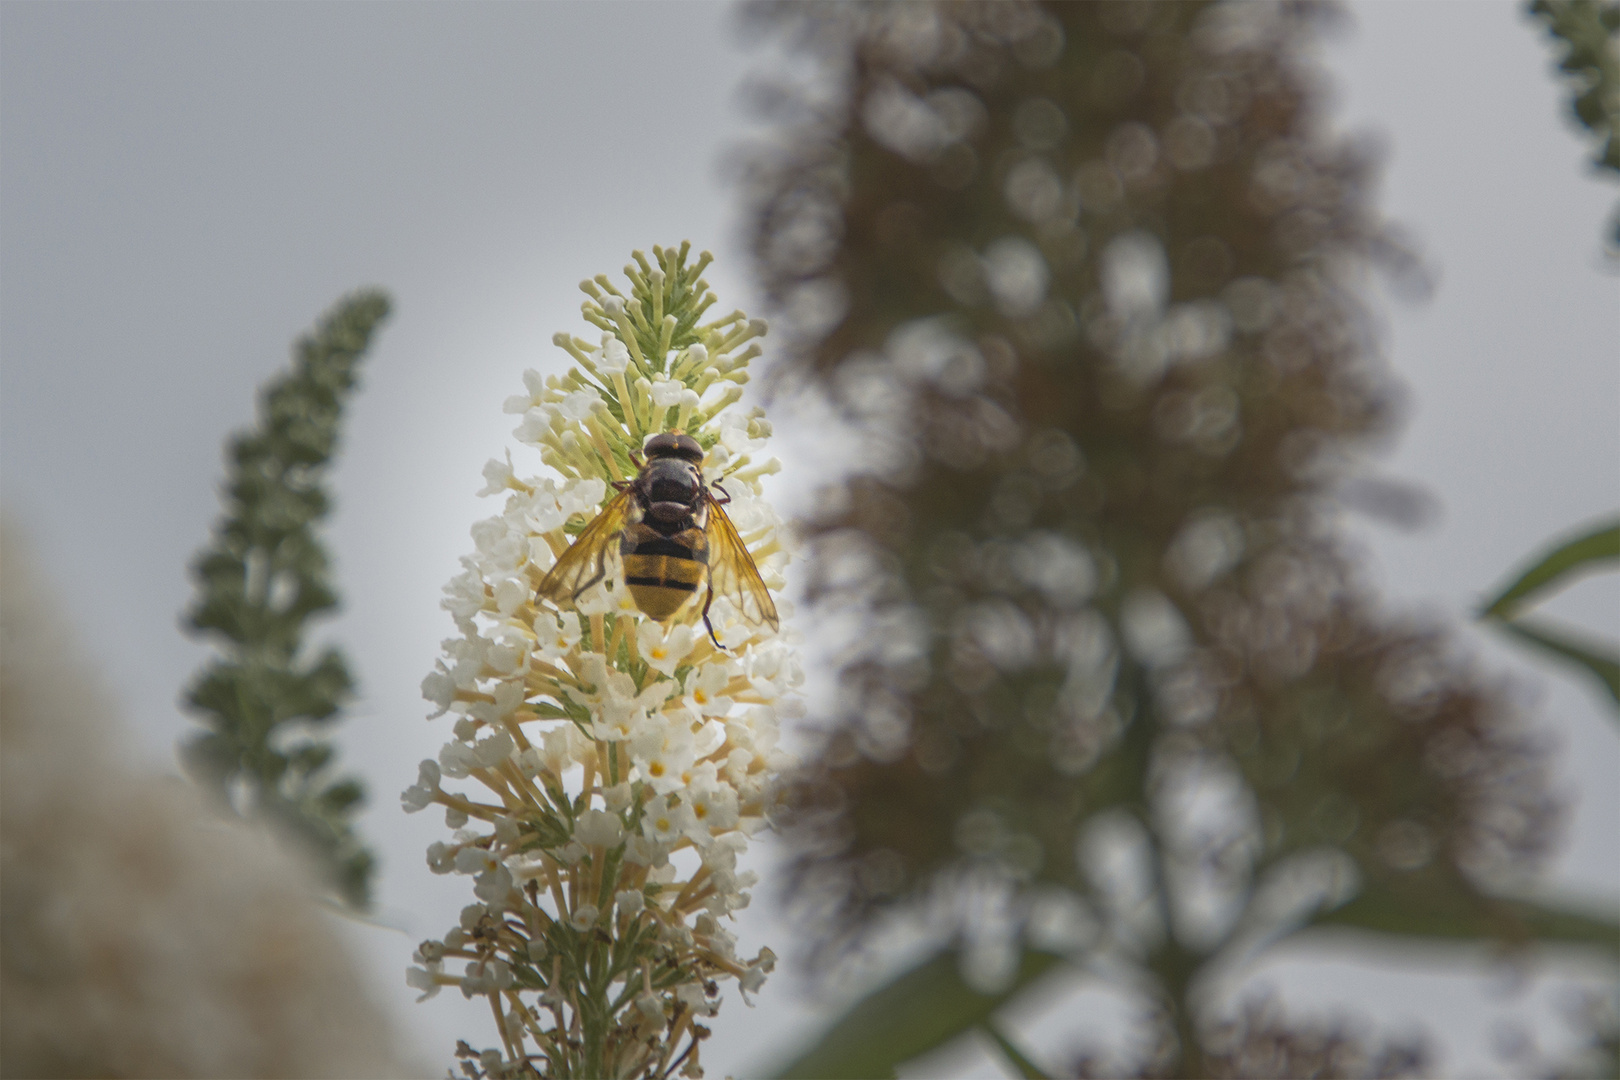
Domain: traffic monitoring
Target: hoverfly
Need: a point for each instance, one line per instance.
(674, 540)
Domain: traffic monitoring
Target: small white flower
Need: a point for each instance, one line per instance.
(439, 688)
(556, 634)
(508, 832)
(579, 404)
(498, 476)
(584, 917)
(612, 358)
(474, 982)
(424, 979)
(664, 652)
(596, 600)
(522, 403)
(667, 392)
(511, 593)
(507, 654)
(704, 690)
(582, 496)
(616, 721)
(492, 751)
(714, 809)
(474, 860)
(464, 595)
(508, 695)
(664, 823)
(662, 751)
(456, 760)
(500, 547)
(494, 885)
(643, 851)
(754, 977)
(556, 754)
(535, 427)
(422, 793)
(721, 855)
(538, 512)
(630, 901)
(596, 828)
(692, 996)
(441, 857)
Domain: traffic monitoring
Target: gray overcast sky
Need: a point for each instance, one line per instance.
(183, 188)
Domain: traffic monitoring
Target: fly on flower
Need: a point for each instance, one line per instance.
(674, 541)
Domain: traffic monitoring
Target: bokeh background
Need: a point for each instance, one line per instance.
(183, 188)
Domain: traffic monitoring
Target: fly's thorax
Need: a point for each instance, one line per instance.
(669, 479)
(670, 491)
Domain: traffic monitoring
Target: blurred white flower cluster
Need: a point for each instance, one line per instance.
(623, 762)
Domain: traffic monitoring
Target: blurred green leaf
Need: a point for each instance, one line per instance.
(1599, 658)
(1448, 916)
(1581, 554)
(922, 1008)
(1585, 32)
(1026, 1068)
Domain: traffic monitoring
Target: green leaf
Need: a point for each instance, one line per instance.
(1585, 32)
(1441, 916)
(1026, 1068)
(922, 1008)
(1599, 658)
(1580, 554)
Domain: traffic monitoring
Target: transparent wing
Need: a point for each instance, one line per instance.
(732, 572)
(585, 561)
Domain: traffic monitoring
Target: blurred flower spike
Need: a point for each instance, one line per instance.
(1087, 282)
(625, 761)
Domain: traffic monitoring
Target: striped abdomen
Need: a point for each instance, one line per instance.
(663, 572)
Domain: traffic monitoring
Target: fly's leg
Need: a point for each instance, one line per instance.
(601, 572)
(709, 599)
(721, 490)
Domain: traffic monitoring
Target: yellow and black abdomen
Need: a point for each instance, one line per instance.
(663, 572)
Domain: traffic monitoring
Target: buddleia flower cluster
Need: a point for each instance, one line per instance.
(610, 768)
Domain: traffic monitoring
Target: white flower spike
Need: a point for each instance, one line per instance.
(624, 759)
